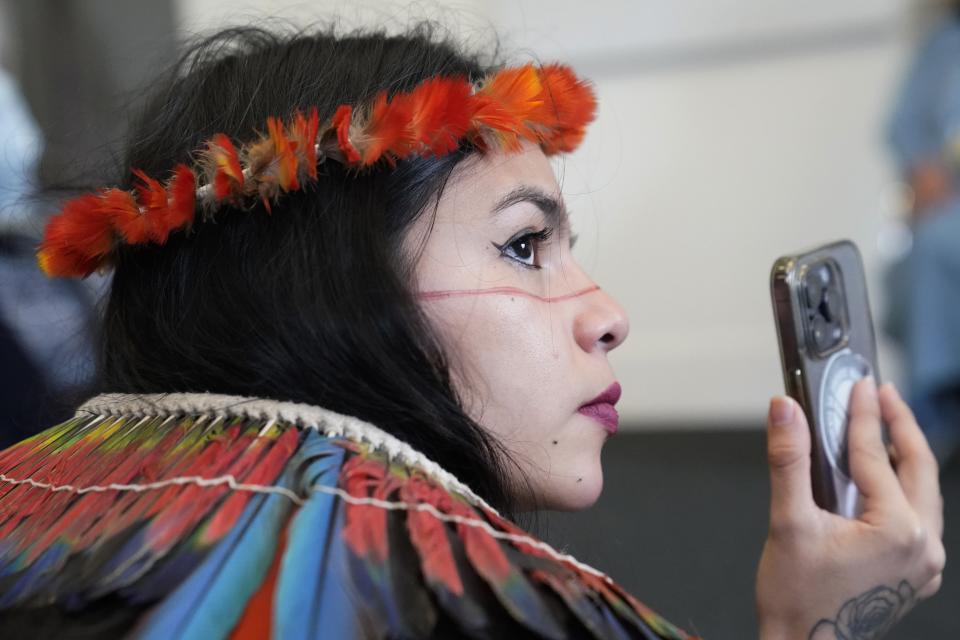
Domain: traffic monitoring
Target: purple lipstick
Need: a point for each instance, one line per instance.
(602, 408)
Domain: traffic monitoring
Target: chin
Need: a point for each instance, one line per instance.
(570, 495)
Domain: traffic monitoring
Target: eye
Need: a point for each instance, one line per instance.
(525, 248)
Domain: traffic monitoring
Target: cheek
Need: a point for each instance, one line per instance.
(514, 347)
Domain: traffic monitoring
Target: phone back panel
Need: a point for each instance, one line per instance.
(827, 343)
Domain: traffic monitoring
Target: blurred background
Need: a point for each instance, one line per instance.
(730, 132)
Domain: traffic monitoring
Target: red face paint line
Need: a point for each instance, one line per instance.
(502, 291)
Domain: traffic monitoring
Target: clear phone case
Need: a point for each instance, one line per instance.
(827, 343)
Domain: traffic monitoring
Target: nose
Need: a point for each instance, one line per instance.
(601, 323)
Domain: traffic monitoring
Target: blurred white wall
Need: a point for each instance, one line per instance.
(729, 132)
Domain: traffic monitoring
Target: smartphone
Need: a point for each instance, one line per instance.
(827, 344)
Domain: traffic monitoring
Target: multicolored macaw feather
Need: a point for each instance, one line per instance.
(236, 523)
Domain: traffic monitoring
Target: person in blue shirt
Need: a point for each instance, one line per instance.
(924, 287)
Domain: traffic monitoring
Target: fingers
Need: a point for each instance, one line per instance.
(916, 466)
(788, 454)
(869, 459)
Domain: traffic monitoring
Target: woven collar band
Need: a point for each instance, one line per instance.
(306, 416)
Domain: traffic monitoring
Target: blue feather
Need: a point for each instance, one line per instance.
(211, 600)
(36, 575)
(311, 601)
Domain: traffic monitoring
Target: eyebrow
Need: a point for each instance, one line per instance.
(553, 209)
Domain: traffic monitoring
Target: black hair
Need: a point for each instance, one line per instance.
(310, 302)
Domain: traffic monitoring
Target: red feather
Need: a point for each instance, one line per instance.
(443, 110)
(256, 621)
(502, 523)
(266, 471)
(78, 517)
(183, 510)
(429, 536)
(150, 192)
(303, 132)
(72, 468)
(483, 550)
(182, 200)
(132, 505)
(385, 129)
(223, 163)
(36, 466)
(126, 216)
(152, 198)
(365, 527)
(341, 123)
(76, 239)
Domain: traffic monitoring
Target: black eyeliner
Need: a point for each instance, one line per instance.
(538, 236)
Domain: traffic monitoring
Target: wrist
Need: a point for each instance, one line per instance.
(778, 630)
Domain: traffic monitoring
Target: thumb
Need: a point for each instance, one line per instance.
(788, 454)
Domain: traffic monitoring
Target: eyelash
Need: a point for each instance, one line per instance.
(535, 237)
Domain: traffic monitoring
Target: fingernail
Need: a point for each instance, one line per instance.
(871, 385)
(781, 411)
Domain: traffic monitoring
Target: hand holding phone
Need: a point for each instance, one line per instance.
(841, 556)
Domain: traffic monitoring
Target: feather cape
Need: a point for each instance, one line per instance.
(205, 516)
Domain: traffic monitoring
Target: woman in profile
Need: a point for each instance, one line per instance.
(346, 345)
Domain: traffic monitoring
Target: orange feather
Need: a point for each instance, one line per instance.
(506, 102)
(223, 167)
(286, 158)
(304, 135)
(568, 106)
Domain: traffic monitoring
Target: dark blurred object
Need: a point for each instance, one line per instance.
(923, 312)
(46, 353)
(46, 329)
(21, 384)
(82, 66)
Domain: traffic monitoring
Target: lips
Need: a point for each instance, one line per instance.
(602, 408)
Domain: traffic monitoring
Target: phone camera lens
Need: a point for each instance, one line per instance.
(820, 332)
(825, 333)
(817, 281)
(822, 274)
(828, 305)
(836, 334)
(824, 307)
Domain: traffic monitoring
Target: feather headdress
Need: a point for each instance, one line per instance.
(547, 104)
